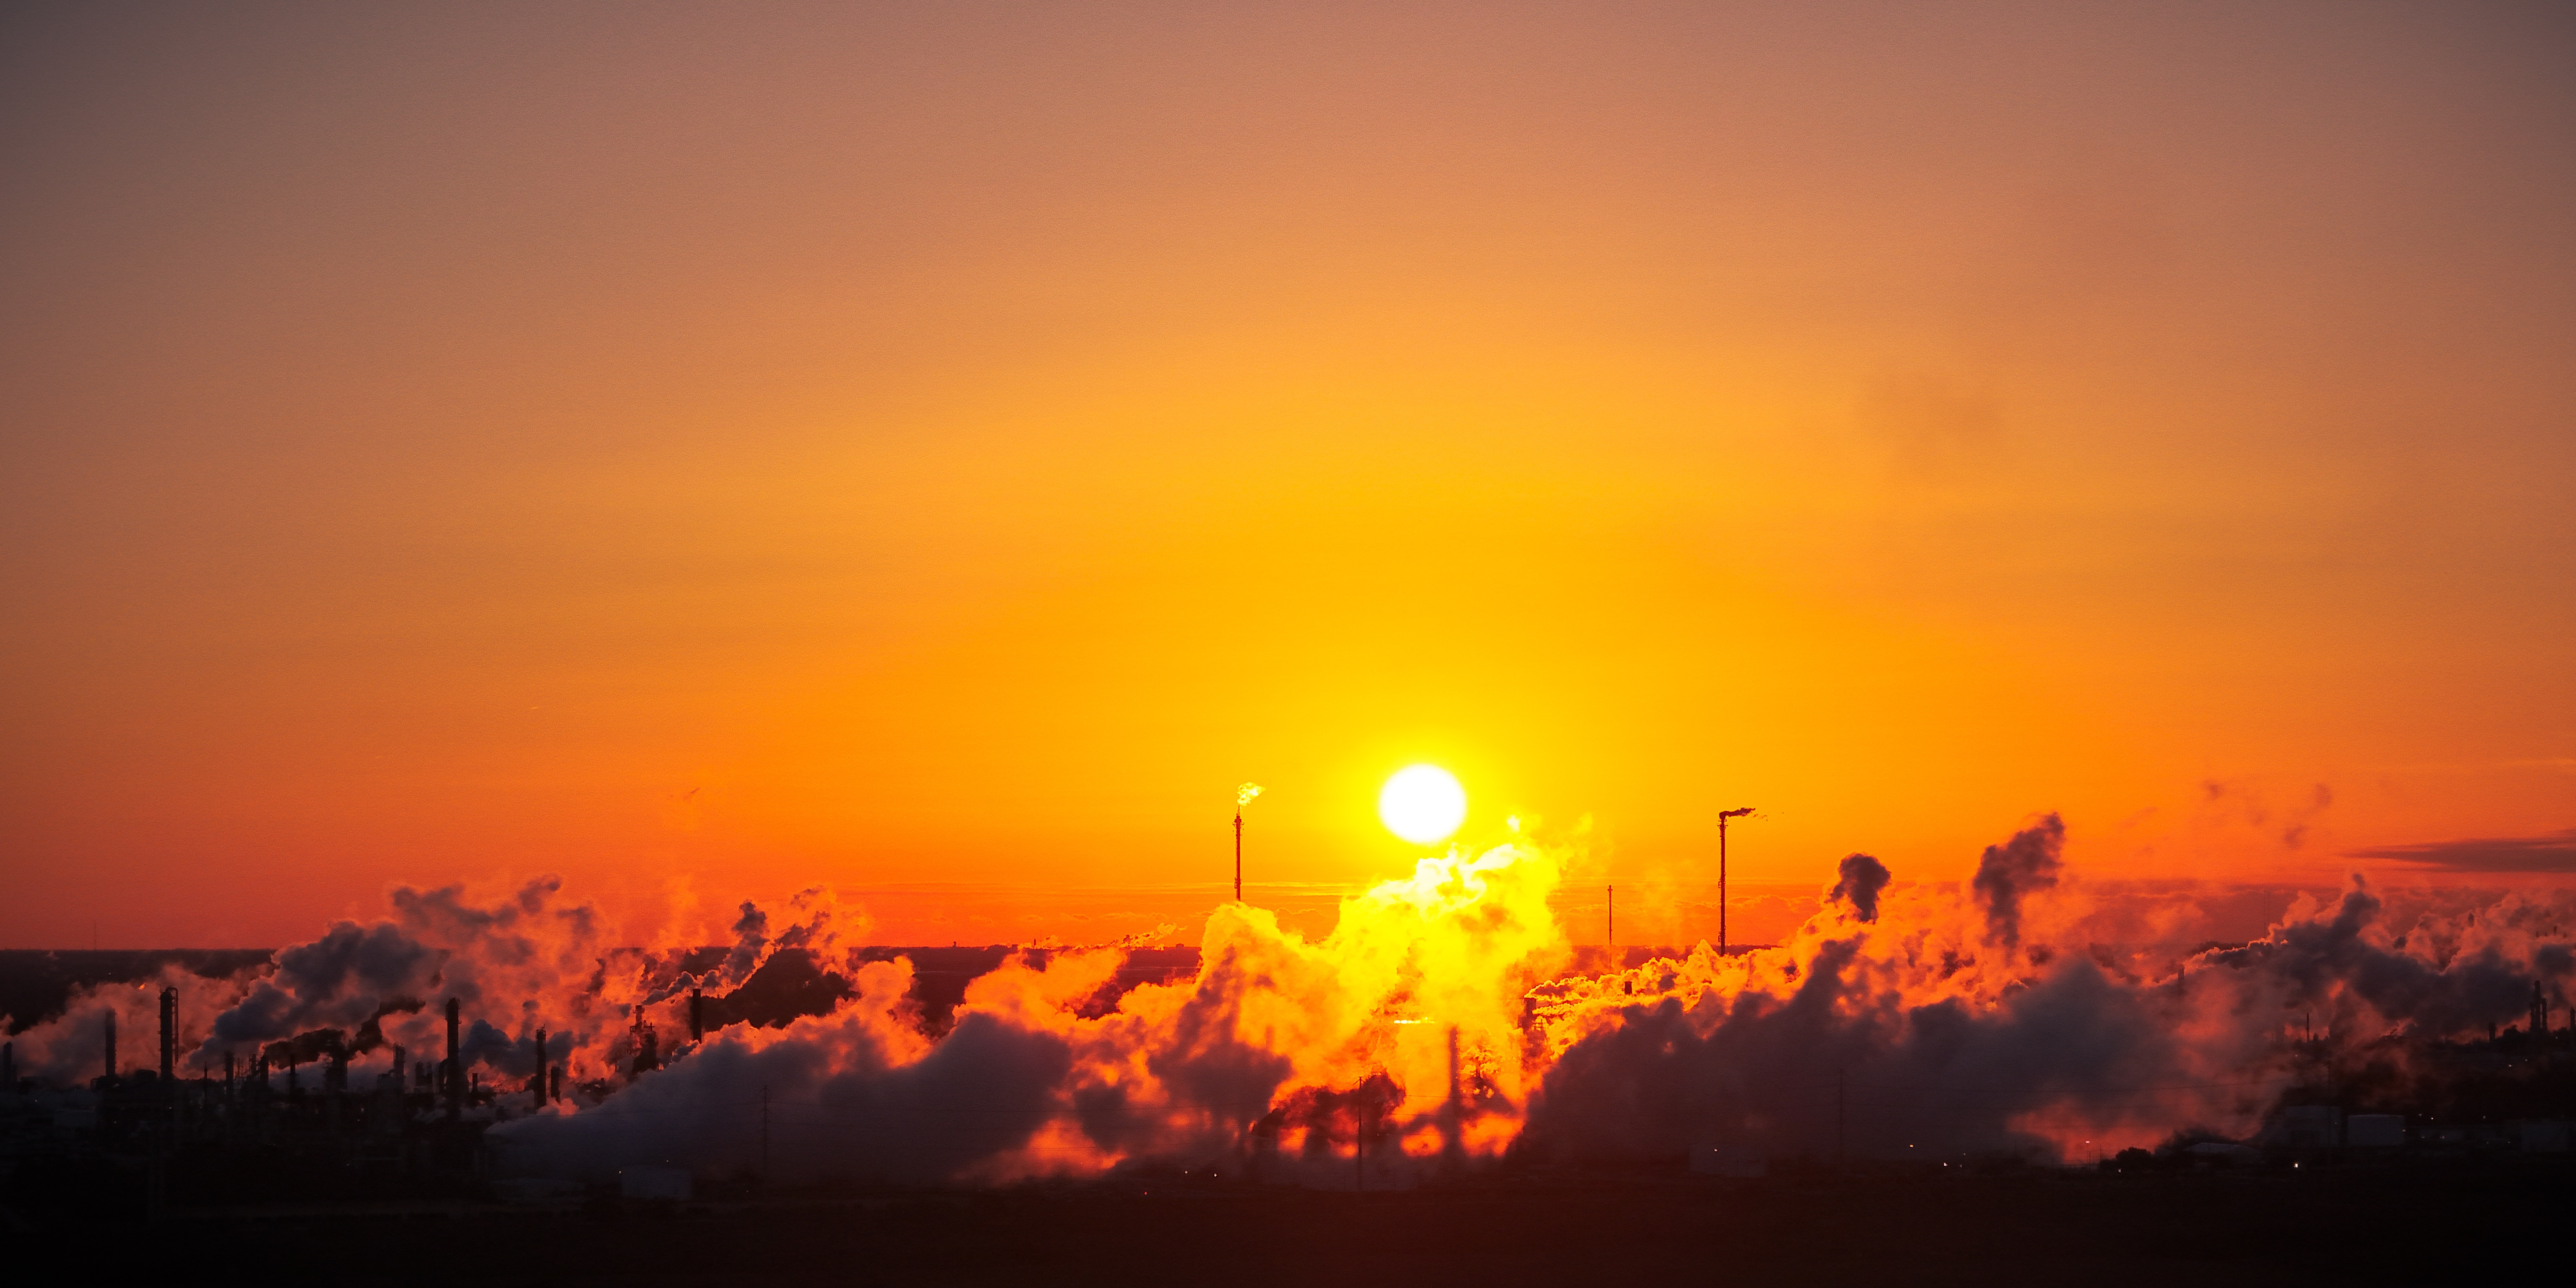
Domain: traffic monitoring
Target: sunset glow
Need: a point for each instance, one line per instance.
(683, 587)
(1907, 422)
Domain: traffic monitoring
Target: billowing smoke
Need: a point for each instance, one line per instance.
(67, 1049)
(2013, 871)
(2349, 975)
(1435, 1028)
(1857, 884)
(1991, 1020)
(341, 980)
(751, 944)
(1417, 992)
(524, 963)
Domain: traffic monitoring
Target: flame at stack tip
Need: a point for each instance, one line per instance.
(1970, 1016)
(1243, 795)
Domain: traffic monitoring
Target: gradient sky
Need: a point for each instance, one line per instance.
(717, 449)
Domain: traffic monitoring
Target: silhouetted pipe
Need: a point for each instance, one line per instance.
(111, 1045)
(1722, 816)
(455, 1066)
(169, 1010)
(1453, 1116)
(538, 1084)
(697, 1016)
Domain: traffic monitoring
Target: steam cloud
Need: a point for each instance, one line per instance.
(1861, 878)
(2012, 871)
(1435, 1028)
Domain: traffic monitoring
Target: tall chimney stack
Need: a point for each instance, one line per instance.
(169, 1012)
(697, 1016)
(111, 1046)
(540, 1081)
(1722, 816)
(455, 1066)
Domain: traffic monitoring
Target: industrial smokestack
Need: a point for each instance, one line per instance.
(697, 1016)
(169, 1011)
(1722, 816)
(335, 1080)
(537, 1084)
(111, 1046)
(455, 1066)
(648, 1047)
(1242, 796)
(1453, 1116)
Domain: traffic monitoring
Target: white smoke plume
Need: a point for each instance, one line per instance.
(1434, 1029)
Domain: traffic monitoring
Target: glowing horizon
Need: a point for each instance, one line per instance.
(853, 445)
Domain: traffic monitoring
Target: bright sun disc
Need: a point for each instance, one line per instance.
(1422, 804)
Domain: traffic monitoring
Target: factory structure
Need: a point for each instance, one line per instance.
(286, 1119)
(341, 1115)
(290, 1121)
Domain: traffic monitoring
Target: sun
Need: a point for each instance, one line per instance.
(1422, 804)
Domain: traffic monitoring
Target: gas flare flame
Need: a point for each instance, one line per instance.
(1243, 795)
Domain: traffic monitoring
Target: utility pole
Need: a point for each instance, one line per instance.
(1721, 872)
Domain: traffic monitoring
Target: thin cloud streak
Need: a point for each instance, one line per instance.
(2554, 852)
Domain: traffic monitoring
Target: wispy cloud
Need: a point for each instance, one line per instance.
(2553, 852)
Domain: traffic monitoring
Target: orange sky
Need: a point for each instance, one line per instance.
(689, 449)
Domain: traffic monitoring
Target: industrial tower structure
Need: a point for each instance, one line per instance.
(1721, 872)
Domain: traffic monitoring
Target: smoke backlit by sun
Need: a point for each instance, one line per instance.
(1447, 1020)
